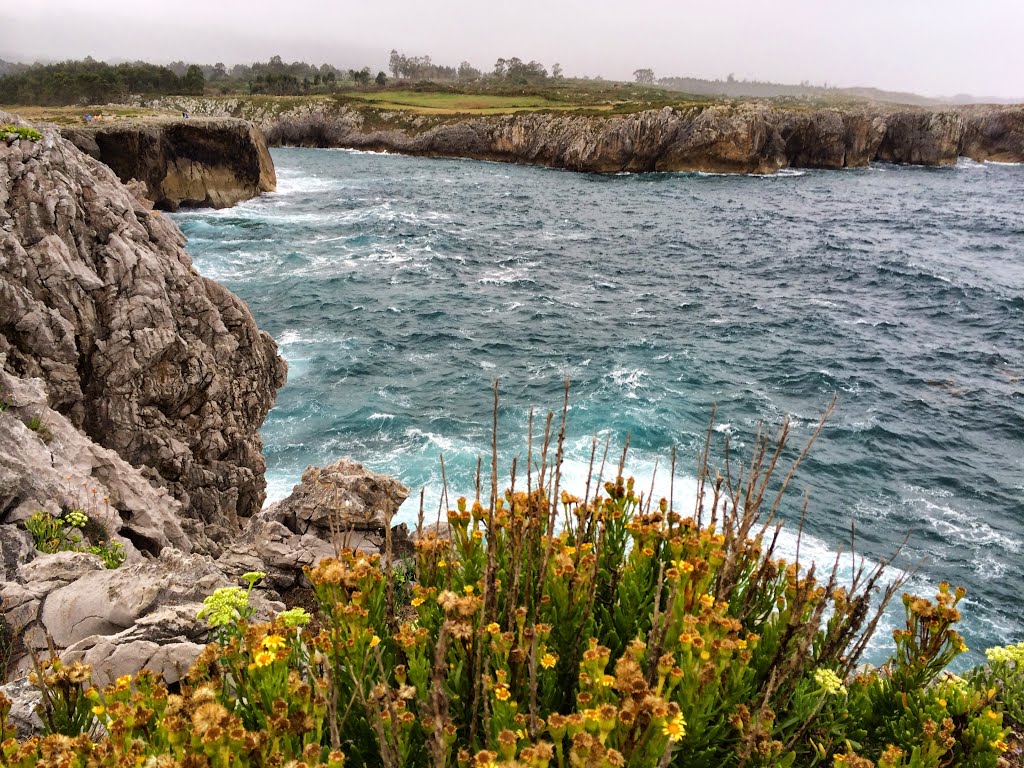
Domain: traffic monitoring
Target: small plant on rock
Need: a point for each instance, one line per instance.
(11, 133)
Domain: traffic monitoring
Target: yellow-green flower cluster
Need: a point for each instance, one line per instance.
(1007, 654)
(295, 617)
(829, 682)
(224, 606)
(76, 518)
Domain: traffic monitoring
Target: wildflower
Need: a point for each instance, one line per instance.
(374, 641)
(478, 535)
(263, 659)
(999, 746)
(417, 602)
(98, 710)
(273, 643)
(224, 606)
(549, 660)
(502, 693)
(76, 518)
(493, 628)
(296, 617)
(123, 682)
(468, 589)
(829, 682)
(674, 728)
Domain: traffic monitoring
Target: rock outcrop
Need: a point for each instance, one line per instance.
(213, 162)
(745, 138)
(343, 505)
(134, 348)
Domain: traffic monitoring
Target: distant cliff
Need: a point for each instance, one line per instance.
(745, 138)
(214, 162)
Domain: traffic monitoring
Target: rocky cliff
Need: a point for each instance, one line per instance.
(745, 138)
(214, 162)
(135, 348)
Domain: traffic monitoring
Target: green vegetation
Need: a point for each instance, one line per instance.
(452, 103)
(10, 133)
(94, 82)
(548, 630)
(38, 425)
(65, 534)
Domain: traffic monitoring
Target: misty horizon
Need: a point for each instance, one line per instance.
(934, 53)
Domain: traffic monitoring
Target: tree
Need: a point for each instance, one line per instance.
(556, 71)
(644, 76)
(219, 71)
(194, 81)
(468, 72)
(396, 63)
(382, 79)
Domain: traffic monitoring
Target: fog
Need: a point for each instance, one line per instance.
(931, 47)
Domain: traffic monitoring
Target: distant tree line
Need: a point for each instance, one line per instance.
(95, 82)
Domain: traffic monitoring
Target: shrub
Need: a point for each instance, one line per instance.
(546, 629)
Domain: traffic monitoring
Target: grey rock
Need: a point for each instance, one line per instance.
(24, 699)
(212, 162)
(136, 350)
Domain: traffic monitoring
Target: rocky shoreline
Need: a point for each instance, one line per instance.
(745, 138)
(205, 162)
(132, 390)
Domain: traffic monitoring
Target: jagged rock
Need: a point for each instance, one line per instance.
(197, 162)
(922, 138)
(343, 496)
(136, 349)
(56, 467)
(16, 549)
(745, 138)
(343, 504)
(996, 135)
(24, 699)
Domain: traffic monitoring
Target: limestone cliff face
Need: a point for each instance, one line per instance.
(747, 138)
(146, 357)
(214, 162)
(996, 135)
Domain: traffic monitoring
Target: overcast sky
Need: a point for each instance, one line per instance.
(933, 47)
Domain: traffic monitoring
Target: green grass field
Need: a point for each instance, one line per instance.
(446, 103)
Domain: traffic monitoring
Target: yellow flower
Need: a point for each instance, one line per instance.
(374, 641)
(707, 601)
(548, 661)
(493, 628)
(704, 655)
(741, 645)
(417, 602)
(468, 589)
(263, 659)
(273, 642)
(502, 693)
(478, 535)
(675, 728)
(569, 551)
(1000, 746)
(98, 710)
(123, 682)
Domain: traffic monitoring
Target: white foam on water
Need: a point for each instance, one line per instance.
(629, 380)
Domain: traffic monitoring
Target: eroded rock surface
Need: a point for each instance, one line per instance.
(212, 162)
(745, 138)
(146, 357)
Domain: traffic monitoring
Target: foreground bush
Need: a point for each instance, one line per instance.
(545, 629)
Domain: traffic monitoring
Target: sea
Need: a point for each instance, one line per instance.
(400, 289)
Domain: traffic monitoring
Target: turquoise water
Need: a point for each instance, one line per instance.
(399, 288)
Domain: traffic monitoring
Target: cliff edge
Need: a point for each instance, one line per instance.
(141, 353)
(722, 138)
(210, 162)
